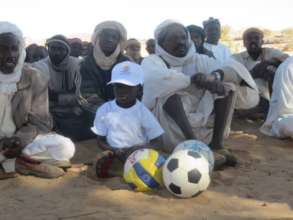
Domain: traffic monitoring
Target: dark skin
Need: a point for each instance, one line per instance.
(197, 39)
(57, 52)
(109, 40)
(150, 46)
(133, 50)
(253, 43)
(175, 42)
(9, 54)
(11, 147)
(213, 33)
(125, 98)
(174, 106)
(76, 49)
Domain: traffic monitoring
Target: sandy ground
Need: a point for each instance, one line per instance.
(261, 187)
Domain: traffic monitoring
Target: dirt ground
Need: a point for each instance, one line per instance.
(261, 187)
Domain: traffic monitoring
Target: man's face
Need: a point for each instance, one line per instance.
(57, 52)
(9, 52)
(213, 33)
(151, 47)
(253, 42)
(197, 39)
(176, 41)
(109, 40)
(39, 54)
(125, 95)
(76, 49)
(133, 49)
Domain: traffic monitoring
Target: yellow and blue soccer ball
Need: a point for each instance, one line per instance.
(143, 170)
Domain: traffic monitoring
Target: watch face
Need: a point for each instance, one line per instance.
(217, 75)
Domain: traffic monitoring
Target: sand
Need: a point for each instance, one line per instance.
(261, 187)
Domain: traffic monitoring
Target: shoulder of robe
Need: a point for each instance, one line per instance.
(34, 75)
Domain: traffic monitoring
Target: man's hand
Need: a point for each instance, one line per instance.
(264, 70)
(12, 147)
(94, 99)
(209, 82)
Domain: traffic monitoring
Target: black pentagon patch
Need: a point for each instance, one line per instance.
(175, 189)
(194, 154)
(194, 176)
(172, 165)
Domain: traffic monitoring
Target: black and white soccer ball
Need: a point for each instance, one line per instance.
(186, 173)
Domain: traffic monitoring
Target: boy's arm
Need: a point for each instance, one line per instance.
(156, 143)
(102, 143)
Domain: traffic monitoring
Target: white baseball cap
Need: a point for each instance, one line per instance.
(127, 73)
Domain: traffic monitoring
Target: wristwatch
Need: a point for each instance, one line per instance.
(217, 75)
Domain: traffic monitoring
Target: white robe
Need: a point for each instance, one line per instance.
(161, 82)
(220, 51)
(279, 121)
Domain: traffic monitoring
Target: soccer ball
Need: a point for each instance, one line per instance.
(186, 173)
(143, 170)
(200, 147)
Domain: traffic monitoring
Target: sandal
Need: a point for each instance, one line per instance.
(220, 161)
(4, 175)
(231, 160)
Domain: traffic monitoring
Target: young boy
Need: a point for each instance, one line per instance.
(124, 124)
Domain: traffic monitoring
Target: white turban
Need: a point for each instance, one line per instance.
(106, 62)
(109, 25)
(172, 60)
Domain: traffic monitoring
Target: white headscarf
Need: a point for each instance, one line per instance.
(172, 60)
(8, 83)
(103, 61)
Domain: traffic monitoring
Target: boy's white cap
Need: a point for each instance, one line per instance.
(127, 73)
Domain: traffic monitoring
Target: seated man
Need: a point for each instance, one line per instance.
(132, 49)
(25, 143)
(186, 90)
(108, 42)
(64, 88)
(262, 64)
(279, 121)
(198, 37)
(212, 28)
(124, 124)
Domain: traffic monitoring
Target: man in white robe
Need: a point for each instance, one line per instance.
(279, 121)
(26, 145)
(212, 28)
(191, 96)
(262, 63)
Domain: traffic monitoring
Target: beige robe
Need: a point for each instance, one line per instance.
(249, 63)
(32, 120)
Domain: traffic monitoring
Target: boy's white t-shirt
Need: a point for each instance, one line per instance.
(126, 127)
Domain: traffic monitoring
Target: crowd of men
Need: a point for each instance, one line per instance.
(193, 86)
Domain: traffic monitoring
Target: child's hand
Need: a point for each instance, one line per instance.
(104, 153)
(121, 153)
